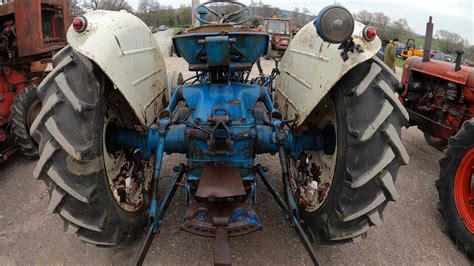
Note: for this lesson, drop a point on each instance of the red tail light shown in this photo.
(79, 24)
(369, 33)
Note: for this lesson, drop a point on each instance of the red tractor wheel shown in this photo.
(463, 191)
(456, 188)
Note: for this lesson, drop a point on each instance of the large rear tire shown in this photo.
(24, 110)
(359, 184)
(74, 162)
(455, 187)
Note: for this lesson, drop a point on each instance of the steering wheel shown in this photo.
(225, 18)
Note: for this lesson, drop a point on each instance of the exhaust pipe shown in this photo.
(428, 40)
(457, 66)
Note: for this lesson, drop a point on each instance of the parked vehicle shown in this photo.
(443, 57)
(439, 95)
(162, 28)
(411, 49)
(400, 48)
(30, 33)
(333, 119)
(280, 36)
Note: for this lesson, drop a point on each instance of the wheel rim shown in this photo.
(321, 166)
(128, 189)
(33, 112)
(464, 191)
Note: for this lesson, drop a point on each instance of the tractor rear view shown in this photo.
(30, 32)
(110, 113)
(439, 97)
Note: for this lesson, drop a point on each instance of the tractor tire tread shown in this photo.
(374, 152)
(69, 132)
(19, 121)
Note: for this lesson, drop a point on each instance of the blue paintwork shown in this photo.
(220, 127)
(235, 99)
(246, 214)
(248, 48)
(202, 11)
(218, 51)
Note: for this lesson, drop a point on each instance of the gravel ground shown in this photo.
(412, 233)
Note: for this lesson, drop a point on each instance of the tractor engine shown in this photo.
(446, 102)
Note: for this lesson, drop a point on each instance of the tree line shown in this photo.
(388, 29)
(155, 14)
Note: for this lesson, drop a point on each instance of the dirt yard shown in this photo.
(412, 233)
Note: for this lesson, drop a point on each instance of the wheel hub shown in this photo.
(33, 112)
(313, 182)
(129, 175)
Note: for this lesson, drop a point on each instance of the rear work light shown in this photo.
(369, 33)
(334, 24)
(79, 24)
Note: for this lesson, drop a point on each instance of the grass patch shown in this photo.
(399, 62)
(434, 44)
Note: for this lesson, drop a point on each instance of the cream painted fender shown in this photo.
(128, 53)
(311, 67)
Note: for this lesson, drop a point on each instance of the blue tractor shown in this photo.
(110, 114)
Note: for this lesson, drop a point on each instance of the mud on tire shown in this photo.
(24, 106)
(369, 150)
(69, 131)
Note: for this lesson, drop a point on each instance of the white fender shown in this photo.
(128, 53)
(311, 67)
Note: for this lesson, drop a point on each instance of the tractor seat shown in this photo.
(220, 45)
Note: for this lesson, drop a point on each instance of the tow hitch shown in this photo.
(224, 221)
(221, 220)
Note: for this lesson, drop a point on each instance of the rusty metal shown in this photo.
(161, 214)
(203, 218)
(222, 247)
(3, 135)
(430, 126)
(33, 112)
(29, 34)
(220, 181)
(30, 26)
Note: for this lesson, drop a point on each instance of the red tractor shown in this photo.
(280, 35)
(30, 32)
(439, 97)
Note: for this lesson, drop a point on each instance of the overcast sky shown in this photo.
(452, 15)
